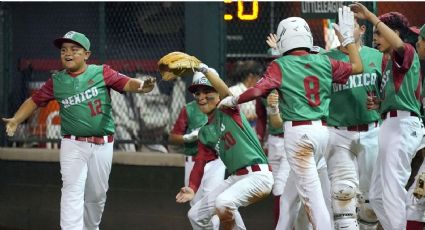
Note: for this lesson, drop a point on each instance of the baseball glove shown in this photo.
(419, 191)
(177, 64)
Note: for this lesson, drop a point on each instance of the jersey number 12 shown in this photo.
(96, 108)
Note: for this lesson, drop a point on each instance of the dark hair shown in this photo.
(396, 21)
(242, 69)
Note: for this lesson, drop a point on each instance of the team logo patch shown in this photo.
(413, 134)
(90, 82)
(372, 64)
(70, 34)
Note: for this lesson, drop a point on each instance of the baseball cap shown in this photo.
(199, 80)
(73, 37)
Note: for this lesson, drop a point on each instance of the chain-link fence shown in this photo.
(131, 37)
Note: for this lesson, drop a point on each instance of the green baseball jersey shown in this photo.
(271, 129)
(85, 103)
(305, 86)
(401, 86)
(195, 119)
(231, 135)
(348, 101)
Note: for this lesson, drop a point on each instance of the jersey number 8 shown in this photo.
(311, 87)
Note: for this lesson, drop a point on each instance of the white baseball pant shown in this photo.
(305, 144)
(229, 195)
(399, 138)
(291, 215)
(214, 172)
(351, 157)
(278, 162)
(85, 169)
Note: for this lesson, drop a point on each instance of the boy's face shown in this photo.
(207, 99)
(380, 42)
(420, 47)
(73, 57)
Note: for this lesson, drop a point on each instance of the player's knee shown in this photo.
(226, 215)
(344, 205)
(224, 209)
(343, 190)
(95, 197)
(191, 214)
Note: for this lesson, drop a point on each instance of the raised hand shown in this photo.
(346, 25)
(273, 99)
(360, 11)
(272, 40)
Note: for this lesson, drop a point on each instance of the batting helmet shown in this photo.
(293, 32)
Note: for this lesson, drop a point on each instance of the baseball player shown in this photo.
(353, 137)
(228, 134)
(185, 131)
(415, 204)
(289, 212)
(303, 81)
(401, 132)
(87, 127)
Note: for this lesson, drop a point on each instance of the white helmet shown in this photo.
(292, 33)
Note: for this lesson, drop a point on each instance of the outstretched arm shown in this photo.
(360, 11)
(24, 111)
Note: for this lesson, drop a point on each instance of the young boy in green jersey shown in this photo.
(185, 131)
(353, 141)
(229, 135)
(401, 132)
(87, 127)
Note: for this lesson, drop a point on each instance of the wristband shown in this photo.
(272, 110)
(377, 23)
